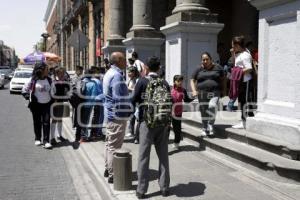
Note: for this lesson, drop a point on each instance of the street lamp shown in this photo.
(45, 37)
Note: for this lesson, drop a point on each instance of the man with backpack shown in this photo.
(152, 95)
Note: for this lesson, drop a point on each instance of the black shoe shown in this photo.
(140, 195)
(53, 142)
(62, 139)
(75, 144)
(110, 180)
(106, 174)
(165, 193)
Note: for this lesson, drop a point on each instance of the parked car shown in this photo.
(19, 79)
(4, 75)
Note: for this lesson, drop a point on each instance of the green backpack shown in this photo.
(157, 104)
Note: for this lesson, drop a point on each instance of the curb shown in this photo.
(95, 162)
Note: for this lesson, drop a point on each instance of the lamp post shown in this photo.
(45, 36)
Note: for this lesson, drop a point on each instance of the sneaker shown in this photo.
(239, 126)
(75, 144)
(140, 195)
(106, 174)
(203, 132)
(53, 142)
(37, 143)
(165, 193)
(62, 139)
(48, 146)
(110, 180)
(210, 130)
(136, 141)
(176, 146)
(129, 135)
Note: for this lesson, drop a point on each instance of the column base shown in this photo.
(187, 7)
(192, 17)
(276, 127)
(113, 45)
(185, 41)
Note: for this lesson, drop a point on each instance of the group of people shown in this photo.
(143, 98)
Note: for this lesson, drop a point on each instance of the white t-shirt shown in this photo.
(42, 91)
(244, 60)
(140, 67)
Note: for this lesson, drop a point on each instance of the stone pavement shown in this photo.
(28, 172)
(195, 174)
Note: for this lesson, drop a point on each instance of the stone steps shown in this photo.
(266, 143)
(243, 148)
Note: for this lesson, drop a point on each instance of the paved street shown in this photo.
(28, 172)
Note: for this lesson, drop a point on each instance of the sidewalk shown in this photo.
(194, 174)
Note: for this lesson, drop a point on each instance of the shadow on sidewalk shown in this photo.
(186, 148)
(192, 189)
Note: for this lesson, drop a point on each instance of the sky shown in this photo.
(21, 24)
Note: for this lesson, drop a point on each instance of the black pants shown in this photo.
(82, 122)
(41, 120)
(97, 121)
(176, 124)
(246, 99)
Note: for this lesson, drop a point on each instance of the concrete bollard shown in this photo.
(122, 167)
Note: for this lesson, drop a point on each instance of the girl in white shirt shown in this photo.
(243, 59)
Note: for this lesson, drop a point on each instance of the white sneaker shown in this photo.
(37, 143)
(128, 135)
(47, 146)
(239, 126)
(210, 129)
(176, 146)
(202, 132)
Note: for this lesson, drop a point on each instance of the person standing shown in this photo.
(74, 99)
(139, 64)
(98, 110)
(38, 93)
(179, 94)
(152, 95)
(207, 84)
(133, 76)
(59, 91)
(243, 60)
(116, 99)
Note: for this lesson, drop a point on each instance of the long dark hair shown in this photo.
(38, 71)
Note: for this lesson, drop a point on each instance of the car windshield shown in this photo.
(23, 75)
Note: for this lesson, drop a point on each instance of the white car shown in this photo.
(20, 78)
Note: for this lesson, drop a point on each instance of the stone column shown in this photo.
(91, 34)
(143, 38)
(278, 113)
(116, 28)
(142, 15)
(190, 30)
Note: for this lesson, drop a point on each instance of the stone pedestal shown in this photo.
(278, 113)
(191, 30)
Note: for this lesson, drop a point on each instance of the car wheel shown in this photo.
(11, 92)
